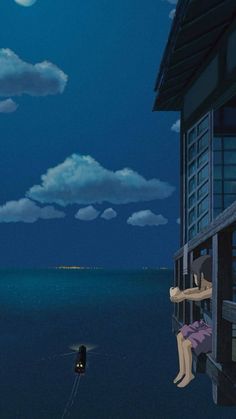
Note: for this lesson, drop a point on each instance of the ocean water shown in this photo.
(126, 315)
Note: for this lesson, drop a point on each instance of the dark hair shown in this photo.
(202, 265)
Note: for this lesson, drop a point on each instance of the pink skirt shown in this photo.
(200, 335)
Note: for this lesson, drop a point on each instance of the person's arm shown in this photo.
(191, 290)
(179, 296)
(193, 294)
(199, 295)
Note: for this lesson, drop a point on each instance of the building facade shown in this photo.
(197, 77)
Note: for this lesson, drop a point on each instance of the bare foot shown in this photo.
(186, 381)
(178, 377)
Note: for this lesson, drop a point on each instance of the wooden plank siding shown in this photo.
(221, 289)
(229, 311)
(224, 220)
(223, 382)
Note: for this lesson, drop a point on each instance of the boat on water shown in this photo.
(80, 361)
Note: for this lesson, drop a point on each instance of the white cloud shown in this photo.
(26, 211)
(87, 214)
(178, 221)
(109, 213)
(146, 218)
(8, 106)
(18, 77)
(25, 3)
(82, 180)
(172, 14)
(172, 1)
(176, 126)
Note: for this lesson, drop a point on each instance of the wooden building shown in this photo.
(197, 77)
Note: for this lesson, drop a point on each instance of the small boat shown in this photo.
(80, 362)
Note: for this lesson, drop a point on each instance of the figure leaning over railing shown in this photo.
(196, 336)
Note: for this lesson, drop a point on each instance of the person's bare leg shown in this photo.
(188, 363)
(180, 340)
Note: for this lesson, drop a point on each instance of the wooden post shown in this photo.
(191, 285)
(176, 284)
(181, 280)
(195, 254)
(221, 290)
(177, 305)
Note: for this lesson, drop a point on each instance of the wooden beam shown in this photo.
(195, 56)
(209, 21)
(215, 297)
(176, 325)
(203, 39)
(229, 311)
(224, 220)
(191, 257)
(176, 282)
(207, 13)
(221, 289)
(223, 388)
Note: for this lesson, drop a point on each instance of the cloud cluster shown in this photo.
(18, 77)
(146, 218)
(8, 106)
(26, 3)
(176, 126)
(108, 214)
(90, 213)
(172, 1)
(27, 211)
(82, 180)
(178, 221)
(87, 214)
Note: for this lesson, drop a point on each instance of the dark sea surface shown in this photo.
(126, 315)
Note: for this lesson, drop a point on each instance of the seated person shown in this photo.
(196, 336)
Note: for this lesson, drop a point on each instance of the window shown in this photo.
(218, 200)
(202, 190)
(229, 199)
(229, 143)
(203, 222)
(230, 186)
(203, 206)
(192, 135)
(224, 158)
(230, 172)
(217, 211)
(203, 142)
(192, 184)
(230, 157)
(203, 158)
(217, 186)
(217, 143)
(203, 174)
(218, 173)
(192, 168)
(192, 216)
(217, 157)
(197, 174)
(192, 152)
(192, 200)
(203, 125)
(192, 232)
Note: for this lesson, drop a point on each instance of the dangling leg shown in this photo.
(188, 363)
(180, 340)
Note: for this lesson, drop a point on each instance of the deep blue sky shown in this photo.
(111, 52)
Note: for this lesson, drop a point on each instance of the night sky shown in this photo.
(76, 95)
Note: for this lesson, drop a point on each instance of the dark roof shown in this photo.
(196, 28)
